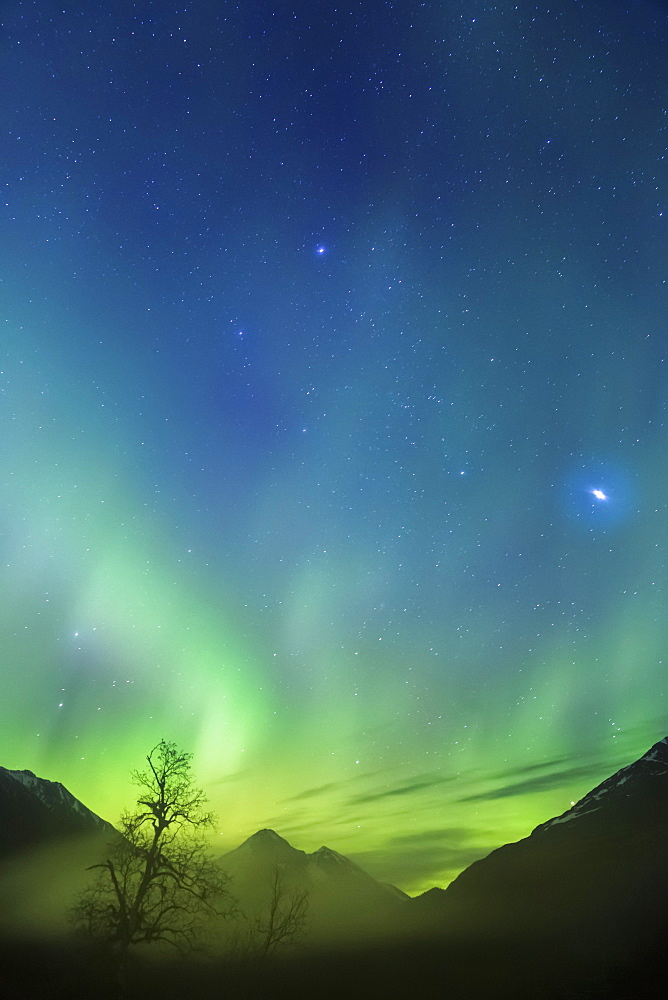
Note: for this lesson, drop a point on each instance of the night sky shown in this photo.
(333, 403)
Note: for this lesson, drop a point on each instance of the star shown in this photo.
(599, 494)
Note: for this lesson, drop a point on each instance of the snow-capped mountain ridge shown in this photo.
(51, 793)
(35, 809)
(597, 874)
(632, 777)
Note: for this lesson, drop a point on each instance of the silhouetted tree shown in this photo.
(284, 920)
(158, 881)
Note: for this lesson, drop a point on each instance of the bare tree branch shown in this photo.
(159, 879)
(284, 920)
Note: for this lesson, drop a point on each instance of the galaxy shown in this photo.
(333, 388)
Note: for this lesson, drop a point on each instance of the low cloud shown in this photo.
(538, 782)
(419, 784)
(310, 793)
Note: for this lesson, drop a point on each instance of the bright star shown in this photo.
(599, 494)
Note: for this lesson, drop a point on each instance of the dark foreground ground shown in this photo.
(499, 971)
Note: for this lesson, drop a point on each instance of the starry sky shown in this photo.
(333, 402)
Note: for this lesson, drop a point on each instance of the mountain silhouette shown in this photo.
(34, 810)
(591, 881)
(48, 838)
(576, 909)
(345, 902)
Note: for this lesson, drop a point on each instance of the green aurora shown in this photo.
(326, 519)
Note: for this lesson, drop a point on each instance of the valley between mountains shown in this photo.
(578, 905)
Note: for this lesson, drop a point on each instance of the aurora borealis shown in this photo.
(333, 400)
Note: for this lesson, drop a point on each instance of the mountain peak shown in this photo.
(266, 836)
(35, 809)
(623, 788)
(327, 852)
(325, 855)
(338, 865)
(42, 787)
(268, 843)
(596, 874)
(658, 751)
